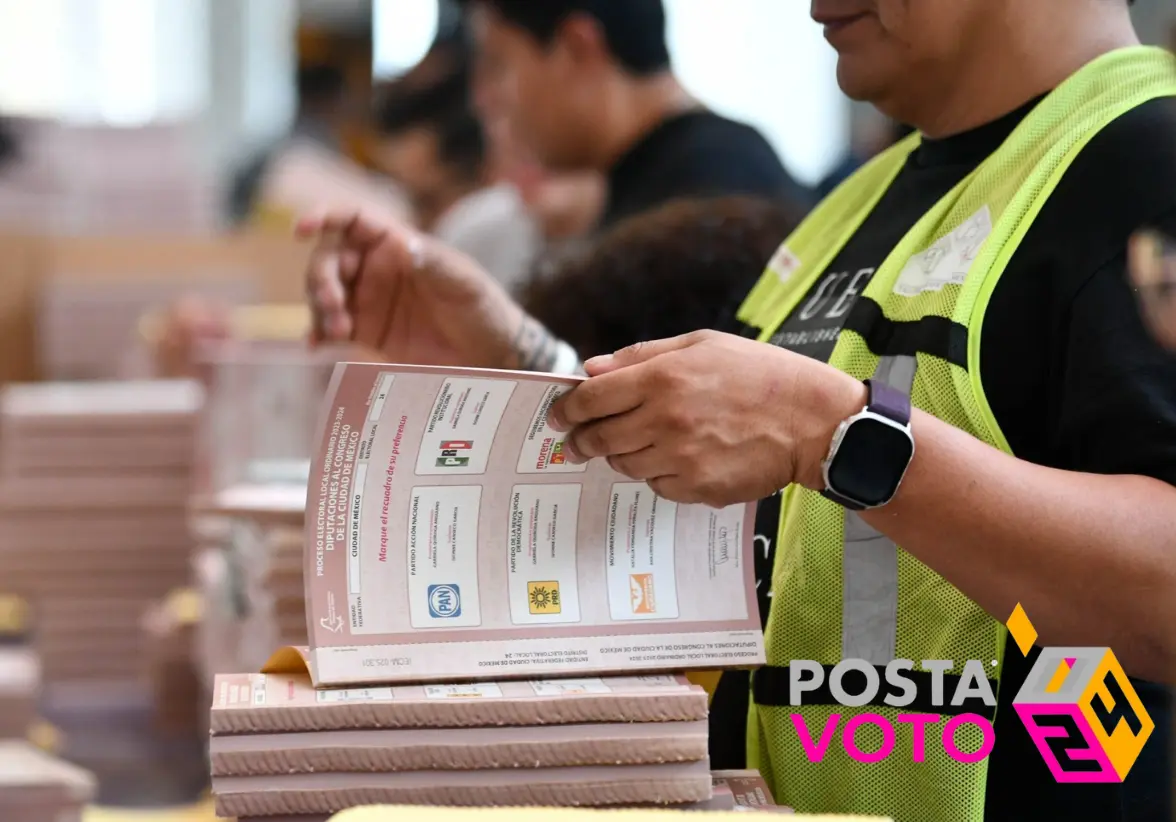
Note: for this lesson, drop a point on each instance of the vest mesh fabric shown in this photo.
(935, 621)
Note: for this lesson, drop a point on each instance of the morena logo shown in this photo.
(1076, 703)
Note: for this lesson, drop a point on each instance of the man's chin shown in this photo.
(864, 82)
(856, 80)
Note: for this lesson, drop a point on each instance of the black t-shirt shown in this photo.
(1072, 376)
(696, 154)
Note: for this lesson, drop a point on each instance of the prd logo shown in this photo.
(543, 597)
(1080, 709)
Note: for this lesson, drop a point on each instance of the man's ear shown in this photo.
(582, 39)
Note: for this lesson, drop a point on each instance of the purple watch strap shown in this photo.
(889, 402)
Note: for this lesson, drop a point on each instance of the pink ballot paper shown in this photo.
(448, 538)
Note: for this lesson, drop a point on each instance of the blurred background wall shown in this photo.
(229, 65)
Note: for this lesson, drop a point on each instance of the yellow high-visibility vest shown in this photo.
(840, 589)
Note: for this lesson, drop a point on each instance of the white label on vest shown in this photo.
(948, 260)
(783, 264)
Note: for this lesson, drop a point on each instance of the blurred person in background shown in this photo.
(566, 205)
(587, 85)
(966, 291)
(431, 142)
(322, 111)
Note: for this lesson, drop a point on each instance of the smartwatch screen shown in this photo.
(871, 461)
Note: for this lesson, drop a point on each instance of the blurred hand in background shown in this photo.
(186, 326)
(1153, 272)
(565, 205)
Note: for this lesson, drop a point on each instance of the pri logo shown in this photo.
(444, 601)
(452, 456)
(543, 598)
(1080, 709)
(641, 597)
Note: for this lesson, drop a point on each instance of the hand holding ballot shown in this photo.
(707, 417)
(385, 286)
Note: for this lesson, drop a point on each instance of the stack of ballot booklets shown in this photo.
(258, 422)
(36, 787)
(731, 791)
(252, 579)
(218, 633)
(275, 589)
(254, 437)
(564, 742)
(489, 624)
(20, 682)
(20, 670)
(71, 178)
(88, 327)
(94, 481)
(383, 813)
(177, 698)
(281, 747)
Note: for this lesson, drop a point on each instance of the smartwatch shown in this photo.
(871, 451)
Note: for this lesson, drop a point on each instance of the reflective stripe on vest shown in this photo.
(869, 562)
(841, 589)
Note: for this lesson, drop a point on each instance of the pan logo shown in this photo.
(444, 601)
(452, 456)
(1080, 710)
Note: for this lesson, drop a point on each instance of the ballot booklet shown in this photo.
(449, 538)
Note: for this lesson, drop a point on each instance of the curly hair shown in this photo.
(678, 268)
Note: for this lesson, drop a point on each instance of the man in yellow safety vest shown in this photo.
(945, 370)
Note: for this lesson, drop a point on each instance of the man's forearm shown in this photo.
(1091, 558)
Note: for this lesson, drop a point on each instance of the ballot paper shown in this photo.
(448, 537)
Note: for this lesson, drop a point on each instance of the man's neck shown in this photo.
(637, 107)
(1022, 62)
